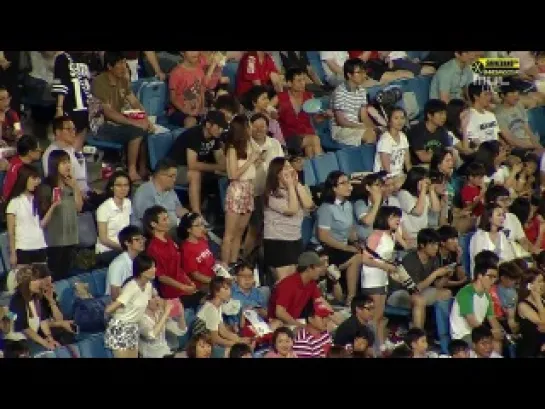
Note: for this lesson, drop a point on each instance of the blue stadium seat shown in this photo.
(442, 321)
(4, 253)
(536, 120)
(308, 173)
(93, 347)
(158, 147)
(99, 278)
(323, 130)
(465, 240)
(223, 183)
(152, 93)
(350, 160)
(230, 71)
(65, 297)
(316, 64)
(103, 144)
(86, 278)
(307, 230)
(397, 311)
(64, 352)
(324, 165)
(367, 151)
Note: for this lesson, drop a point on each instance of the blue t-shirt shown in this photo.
(338, 218)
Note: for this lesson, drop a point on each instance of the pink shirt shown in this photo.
(189, 85)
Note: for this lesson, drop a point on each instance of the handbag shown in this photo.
(89, 314)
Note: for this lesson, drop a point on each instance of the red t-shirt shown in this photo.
(293, 123)
(293, 295)
(167, 259)
(198, 257)
(468, 194)
(531, 229)
(496, 302)
(251, 69)
(15, 164)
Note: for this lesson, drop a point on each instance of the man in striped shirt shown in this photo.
(351, 125)
(313, 340)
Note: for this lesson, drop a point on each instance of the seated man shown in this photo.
(112, 88)
(513, 121)
(424, 268)
(295, 123)
(28, 151)
(298, 60)
(120, 269)
(159, 190)
(10, 124)
(313, 340)
(351, 124)
(361, 320)
(199, 156)
(451, 79)
(480, 124)
(333, 62)
(430, 135)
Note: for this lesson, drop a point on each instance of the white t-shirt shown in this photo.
(149, 346)
(211, 315)
(383, 244)
(28, 233)
(115, 218)
(501, 175)
(397, 152)
(481, 241)
(339, 56)
(459, 327)
(272, 149)
(512, 228)
(397, 55)
(134, 300)
(482, 126)
(119, 271)
(411, 223)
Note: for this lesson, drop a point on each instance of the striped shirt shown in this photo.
(306, 345)
(278, 226)
(349, 102)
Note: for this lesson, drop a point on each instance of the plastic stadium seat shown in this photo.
(442, 320)
(367, 150)
(65, 297)
(102, 144)
(308, 173)
(323, 130)
(316, 64)
(158, 147)
(99, 278)
(397, 311)
(307, 230)
(230, 70)
(350, 160)
(324, 165)
(64, 352)
(4, 253)
(152, 93)
(223, 183)
(536, 120)
(93, 347)
(464, 244)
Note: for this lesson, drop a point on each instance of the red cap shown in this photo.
(320, 310)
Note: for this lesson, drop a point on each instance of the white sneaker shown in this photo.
(173, 327)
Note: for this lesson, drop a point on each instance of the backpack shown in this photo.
(89, 314)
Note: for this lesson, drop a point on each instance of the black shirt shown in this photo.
(290, 59)
(19, 306)
(421, 139)
(350, 329)
(418, 271)
(194, 139)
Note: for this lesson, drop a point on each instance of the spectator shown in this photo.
(378, 263)
(417, 197)
(313, 340)
(458, 348)
(16, 349)
(211, 315)
(292, 296)
(482, 343)
(336, 230)
(282, 344)
(10, 67)
(295, 123)
(72, 91)
(402, 351)
(442, 168)
(112, 88)
(393, 147)
(449, 253)
(129, 308)
(113, 215)
(472, 193)
(530, 314)
(377, 67)
(492, 154)
(10, 124)
(187, 84)
(199, 156)
(513, 121)
(400, 61)
(456, 110)
(416, 339)
(132, 243)
(152, 326)
(197, 259)
(504, 295)
(429, 136)
(240, 350)
(200, 346)
(258, 102)
(25, 228)
(360, 322)
(61, 231)
(159, 191)
(368, 197)
(472, 305)
(451, 78)
(173, 280)
(333, 62)
(430, 278)
(228, 105)
(257, 68)
(285, 200)
(28, 151)
(351, 124)
(482, 124)
(239, 201)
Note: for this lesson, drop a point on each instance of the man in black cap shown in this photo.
(199, 156)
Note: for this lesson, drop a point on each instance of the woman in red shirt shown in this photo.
(294, 122)
(173, 281)
(257, 68)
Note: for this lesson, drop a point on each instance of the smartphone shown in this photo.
(56, 194)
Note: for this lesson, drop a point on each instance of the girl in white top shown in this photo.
(114, 214)
(375, 269)
(241, 171)
(393, 146)
(128, 309)
(25, 229)
(490, 236)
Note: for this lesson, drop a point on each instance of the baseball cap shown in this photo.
(309, 258)
(320, 310)
(217, 118)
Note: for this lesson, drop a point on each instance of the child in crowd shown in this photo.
(458, 348)
(472, 193)
(200, 346)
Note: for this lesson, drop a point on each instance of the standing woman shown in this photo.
(128, 309)
(71, 88)
(113, 215)
(531, 314)
(61, 233)
(239, 202)
(285, 201)
(25, 228)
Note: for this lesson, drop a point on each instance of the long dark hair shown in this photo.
(55, 158)
(414, 176)
(25, 172)
(331, 182)
(486, 218)
(438, 157)
(238, 136)
(186, 222)
(113, 178)
(151, 215)
(272, 182)
(487, 152)
(454, 109)
(141, 263)
(360, 191)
